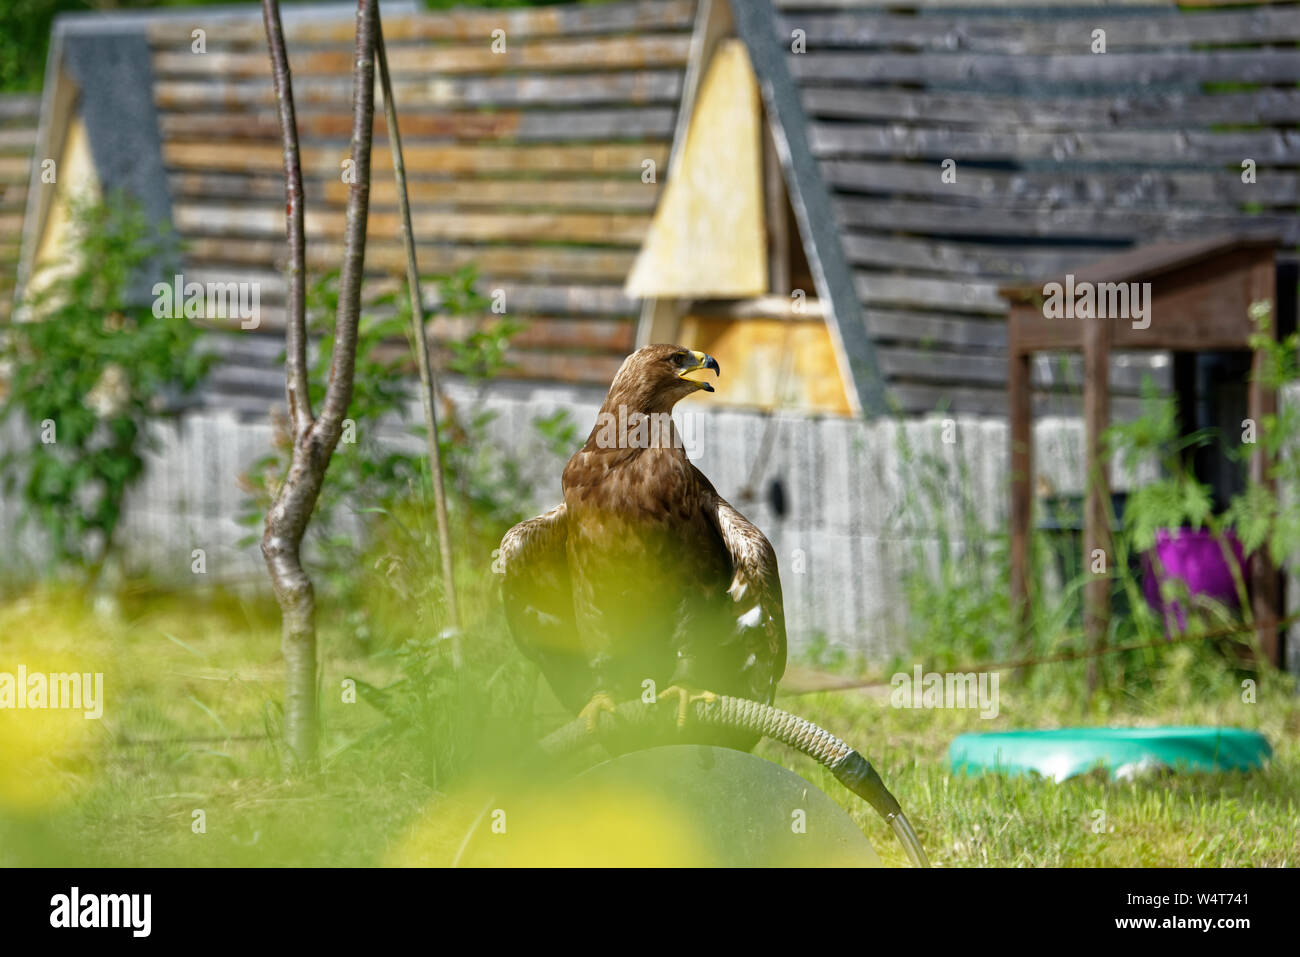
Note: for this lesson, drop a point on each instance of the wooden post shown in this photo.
(1262, 401)
(1096, 518)
(1020, 399)
(420, 343)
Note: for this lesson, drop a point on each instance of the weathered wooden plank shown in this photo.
(240, 347)
(525, 298)
(20, 105)
(571, 194)
(541, 263)
(1085, 222)
(14, 169)
(1161, 147)
(455, 24)
(966, 258)
(518, 296)
(913, 398)
(917, 398)
(1065, 33)
(266, 380)
(635, 87)
(17, 124)
(631, 52)
(567, 194)
(18, 140)
(1133, 109)
(760, 307)
(942, 364)
(938, 329)
(1188, 261)
(1129, 70)
(1117, 187)
(324, 162)
(972, 295)
(548, 333)
(626, 52)
(271, 325)
(561, 367)
(604, 228)
(558, 126)
(12, 198)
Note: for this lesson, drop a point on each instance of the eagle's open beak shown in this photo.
(702, 361)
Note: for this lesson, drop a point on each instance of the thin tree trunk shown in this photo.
(313, 439)
(296, 389)
(421, 345)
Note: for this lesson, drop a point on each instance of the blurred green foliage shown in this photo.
(87, 375)
(1261, 516)
(373, 538)
(190, 725)
(958, 612)
(958, 606)
(1174, 499)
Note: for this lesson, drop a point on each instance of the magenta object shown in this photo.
(1194, 556)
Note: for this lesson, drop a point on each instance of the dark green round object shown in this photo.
(675, 806)
(1064, 752)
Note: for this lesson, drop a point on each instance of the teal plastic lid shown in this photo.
(1064, 752)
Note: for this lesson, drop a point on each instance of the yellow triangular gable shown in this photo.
(707, 239)
(76, 178)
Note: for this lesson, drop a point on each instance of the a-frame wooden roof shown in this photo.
(530, 162)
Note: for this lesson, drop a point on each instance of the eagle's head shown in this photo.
(654, 378)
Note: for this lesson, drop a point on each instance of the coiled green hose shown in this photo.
(739, 714)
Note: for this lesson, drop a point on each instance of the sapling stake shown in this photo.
(420, 343)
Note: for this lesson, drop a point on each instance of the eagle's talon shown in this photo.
(591, 711)
(685, 698)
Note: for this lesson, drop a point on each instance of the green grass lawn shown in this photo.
(191, 716)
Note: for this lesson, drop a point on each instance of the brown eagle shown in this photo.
(645, 572)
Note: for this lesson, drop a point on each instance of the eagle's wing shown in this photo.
(755, 598)
(538, 599)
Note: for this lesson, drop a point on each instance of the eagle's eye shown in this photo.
(680, 358)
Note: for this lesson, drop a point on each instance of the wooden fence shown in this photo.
(850, 528)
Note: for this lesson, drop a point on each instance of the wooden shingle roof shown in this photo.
(531, 162)
(526, 162)
(1061, 155)
(19, 113)
(537, 158)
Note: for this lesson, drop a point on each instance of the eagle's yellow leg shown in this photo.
(685, 698)
(591, 711)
